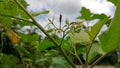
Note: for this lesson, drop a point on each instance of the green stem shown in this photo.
(87, 55)
(62, 38)
(16, 18)
(44, 31)
(101, 57)
(76, 55)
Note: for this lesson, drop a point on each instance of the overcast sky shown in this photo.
(69, 8)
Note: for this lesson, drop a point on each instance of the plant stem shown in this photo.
(101, 57)
(16, 18)
(44, 31)
(87, 54)
(76, 55)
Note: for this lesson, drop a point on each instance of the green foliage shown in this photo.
(82, 38)
(8, 61)
(7, 7)
(23, 23)
(98, 16)
(44, 44)
(110, 38)
(94, 51)
(58, 62)
(29, 37)
(85, 14)
(88, 16)
(66, 44)
(41, 52)
(95, 29)
(115, 2)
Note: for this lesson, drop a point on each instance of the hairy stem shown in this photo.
(44, 31)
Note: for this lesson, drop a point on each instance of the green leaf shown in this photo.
(66, 44)
(98, 16)
(8, 61)
(115, 2)
(85, 14)
(94, 51)
(44, 44)
(81, 51)
(58, 62)
(29, 37)
(24, 3)
(23, 14)
(95, 29)
(38, 13)
(23, 50)
(23, 23)
(110, 39)
(9, 7)
(82, 38)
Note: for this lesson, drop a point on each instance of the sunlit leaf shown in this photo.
(94, 51)
(95, 29)
(98, 16)
(9, 7)
(85, 14)
(110, 39)
(44, 44)
(82, 38)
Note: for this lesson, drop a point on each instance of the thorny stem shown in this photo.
(43, 30)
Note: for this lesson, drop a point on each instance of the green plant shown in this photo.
(77, 41)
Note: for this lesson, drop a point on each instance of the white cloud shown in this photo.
(99, 6)
(56, 6)
(69, 8)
